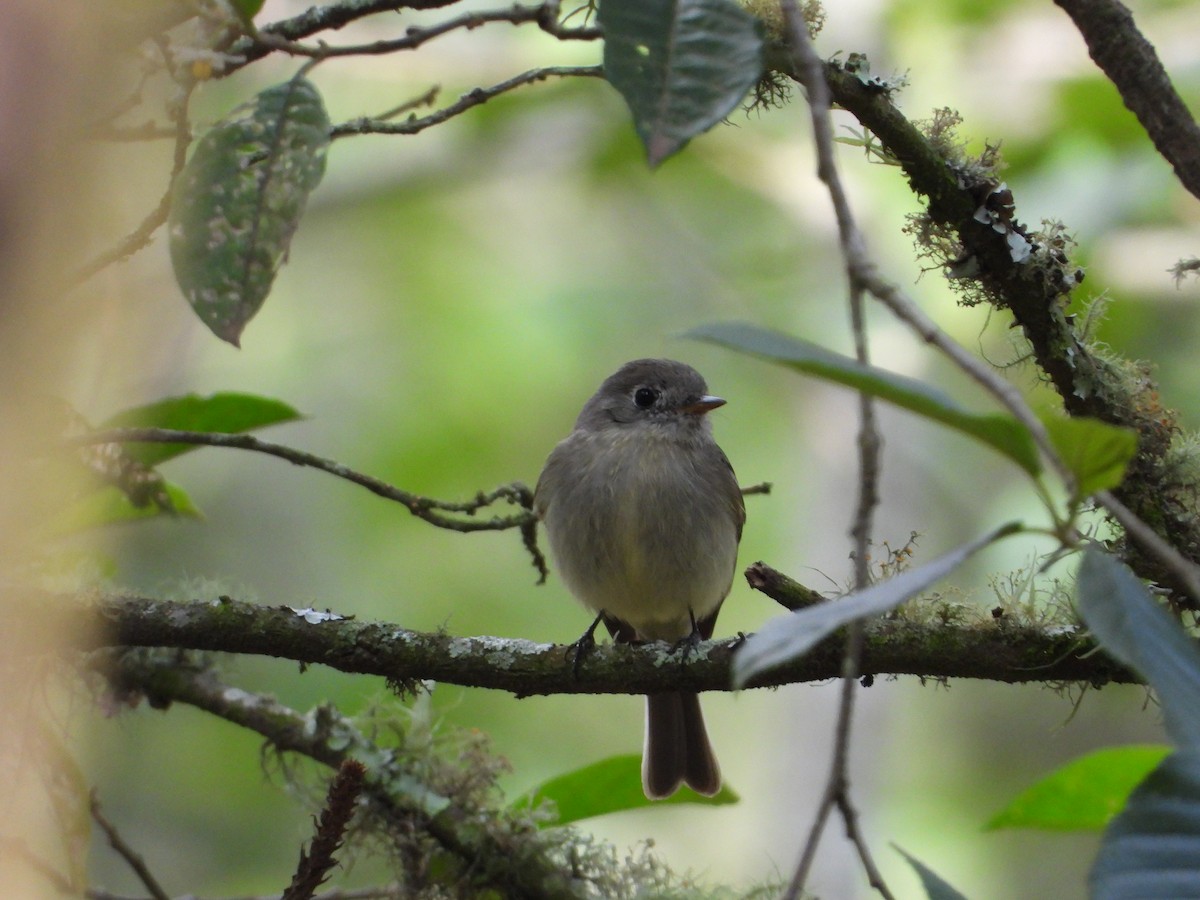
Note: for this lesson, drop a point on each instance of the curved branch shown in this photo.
(426, 508)
(141, 235)
(1033, 291)
(995, 650)
(503, 854)
(1131, 63)
(469, 100)
(285, 34)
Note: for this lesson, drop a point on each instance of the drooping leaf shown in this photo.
(236, 204)
(681, 65)
(110, 506)
(1083, 795)
(611, 785)
(227, 413)
(1138, 632)
(1152, 849)
(1000, 432)
(1095, 452)
(790, 636)
(936, 887)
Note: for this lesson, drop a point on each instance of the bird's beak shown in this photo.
(704, 404)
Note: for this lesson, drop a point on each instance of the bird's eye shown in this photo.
(644, 397)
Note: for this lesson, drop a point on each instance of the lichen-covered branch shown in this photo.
(937, 644)
(984, 247)
(495, 848)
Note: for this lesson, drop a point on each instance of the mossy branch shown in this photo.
(971, 229)
(938, 643)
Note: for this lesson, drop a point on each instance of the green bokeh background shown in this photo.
(450, 301)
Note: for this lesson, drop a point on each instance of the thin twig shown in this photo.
(11, 847)
(473, 98)
(860, 273)
(132, 858)
(141, 235)
(1181, 567)
(425, 508)
(545, 16)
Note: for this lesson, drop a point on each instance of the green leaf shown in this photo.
(1084, 794)
(239, 199)
(1138, 632)
(1152, 849)
(788, 637)
(226, 413)
(1000, 432)
(681, 65)
(110, 506)
(247, 9)
(1095, 452)
(936, 887)
(611, 785)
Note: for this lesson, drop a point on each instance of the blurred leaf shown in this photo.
(1089, 105)
(110, 506)
(1000, 432)
(224, 413)
(611, 785)
(247, 9)
(238, 201)
(1152, 849)
(1084, 794)
(936, 887)
(681, 65)
(1138, 632)
(790, 636)
(1096, 452)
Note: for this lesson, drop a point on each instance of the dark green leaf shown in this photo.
(227, 413)
(1000, 432)
(1138, 632)
(1152, 849)
(936, 887)
(790, 636)
(1084, 794)
(238, 201)
(1096, 452)
(681, 65)
(611, 785)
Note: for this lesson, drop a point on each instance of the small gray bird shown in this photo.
(644, 516)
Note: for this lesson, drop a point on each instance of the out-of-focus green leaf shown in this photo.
(1083, 795)
(1138, 632)
(1000, 432)
(110, 506)
(791, 635)
(681, 65)
(1152, 849)
(247, 9)
(1095, 452)
(611, 785)
(936, 887)
(226, 413)
(238, 201)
